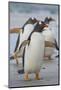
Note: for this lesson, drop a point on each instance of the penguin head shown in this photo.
(40, 26)
(48, 20)
(34, 20)
(43, 25)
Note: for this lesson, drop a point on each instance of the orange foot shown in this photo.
(26, 76)
(37, 76)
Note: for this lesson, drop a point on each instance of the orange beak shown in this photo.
(46, 25)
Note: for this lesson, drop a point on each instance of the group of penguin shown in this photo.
(36, 41)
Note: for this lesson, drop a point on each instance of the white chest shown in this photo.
(34, 53)
(48, 35)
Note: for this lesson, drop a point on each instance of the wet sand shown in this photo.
(48, 74)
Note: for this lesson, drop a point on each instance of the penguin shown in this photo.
(49, 39)
(34, 52)
(23, 36)
(27, 29)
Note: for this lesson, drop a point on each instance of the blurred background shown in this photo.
(20, 12)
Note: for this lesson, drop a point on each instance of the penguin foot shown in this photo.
(26, 76)
(37, 76)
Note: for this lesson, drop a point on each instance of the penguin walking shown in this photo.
(50, 42)
(27, 29)
(24, 33)
(34, 52)
(34, 55)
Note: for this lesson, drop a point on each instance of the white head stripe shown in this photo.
(32, 17)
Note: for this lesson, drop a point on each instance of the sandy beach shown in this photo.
(48, 74)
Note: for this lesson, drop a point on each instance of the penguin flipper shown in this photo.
(24, 43)
(56, 45)
(17, 43)
(19, 52)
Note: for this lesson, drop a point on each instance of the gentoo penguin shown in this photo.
(34, 52)
(27, 28)
(24, 32)
(49, 39)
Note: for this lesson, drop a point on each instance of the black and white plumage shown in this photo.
(49, 37)
(34, 52)
(29, 21)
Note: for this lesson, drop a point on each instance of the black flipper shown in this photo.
(22, 70)
(56, 45)
(17, 43)
(56, 48)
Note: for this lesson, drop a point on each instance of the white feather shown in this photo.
(34, 53)
(32, 18)
(48, 35)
